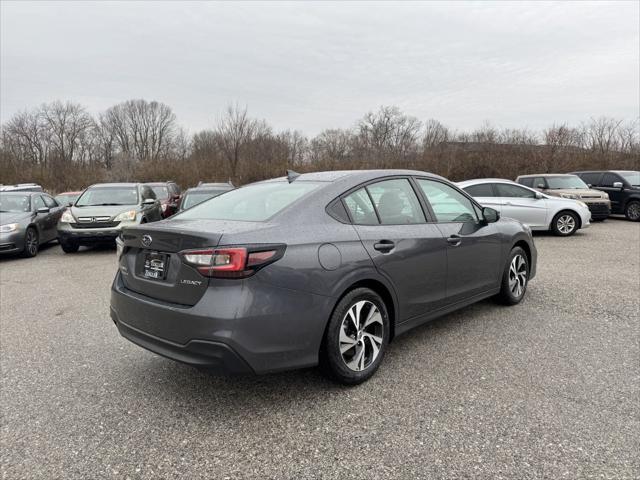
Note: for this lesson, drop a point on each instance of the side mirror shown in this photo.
(148, 201)
(541, 186)
(618, 185)
(490, 215)
(538, 196)
(43, 210)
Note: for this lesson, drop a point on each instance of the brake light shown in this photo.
(232, 262)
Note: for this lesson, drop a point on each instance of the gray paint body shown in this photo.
(275, 320)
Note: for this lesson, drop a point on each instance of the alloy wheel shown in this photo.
(566, 224)
(518, 275)
(633, 211)
(31, 242)
(361, 335)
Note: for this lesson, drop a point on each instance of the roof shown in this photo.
(476, 181)
(334, 175)
(207, 188)
(158, 184)
(115, 184)
(547, 175)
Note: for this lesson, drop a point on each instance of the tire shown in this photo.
(565, 224)
(632, 211)
(31, 243)
(515, 278)
(69, 247)
(351, 355)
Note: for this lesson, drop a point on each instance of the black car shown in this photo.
(27, 220)
(623, 187)
(204, 191)
(169, 194)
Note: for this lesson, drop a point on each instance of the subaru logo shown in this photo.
(146, 240)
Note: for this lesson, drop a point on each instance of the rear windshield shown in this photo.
(161, 192)
(192, 199)
(254, 203)
(572, 181)
(108, 196)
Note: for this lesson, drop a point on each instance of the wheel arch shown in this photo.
(566, 210)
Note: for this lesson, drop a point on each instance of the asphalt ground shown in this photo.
(546, 389)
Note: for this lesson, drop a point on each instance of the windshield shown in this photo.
(192, 199)
(254, 203)
(108, 196)
(571, 181)
(66, 199)
(15, 203)
(161, 192)
(633, 178)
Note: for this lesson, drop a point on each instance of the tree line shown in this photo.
(63, 147)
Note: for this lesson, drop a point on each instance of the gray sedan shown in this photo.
(321, 268)
(27, 220)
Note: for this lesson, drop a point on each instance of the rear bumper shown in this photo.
(214, 356)
(245, 326)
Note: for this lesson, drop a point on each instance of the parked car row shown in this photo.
(30, 217)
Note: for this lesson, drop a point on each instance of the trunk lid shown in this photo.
(151, 265)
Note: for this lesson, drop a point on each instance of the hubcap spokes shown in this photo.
(361, 335)
(634, 211)
(566, 224)
(518, 275)
(32, 242)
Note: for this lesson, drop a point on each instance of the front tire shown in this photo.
(356, 338)
(31, 243)
(69, 247)
(515, 278)
(565, 224)
(632, 211)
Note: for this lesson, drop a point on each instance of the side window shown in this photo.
(538, 182)
(147, 192)
(360, 207)
(609, 179)
(37, 202)
(480, 190)
(527, 181)
(396, 202)
(590, 178)
(513, 191)
(447, 203)
(49, 202)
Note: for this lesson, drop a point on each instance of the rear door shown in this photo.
(521, 203)
(410, 252)
(473, 248)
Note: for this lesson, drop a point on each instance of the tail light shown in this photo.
(232, 262)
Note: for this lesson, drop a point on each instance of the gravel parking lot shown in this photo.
(547, 389)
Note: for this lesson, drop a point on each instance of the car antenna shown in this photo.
(291, 175)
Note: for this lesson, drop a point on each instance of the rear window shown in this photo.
(109, 196)
(480, 190)
(254, 203)
(161, 192)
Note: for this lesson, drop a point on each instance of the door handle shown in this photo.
(508, 203)
(384, 246)
(454, 240)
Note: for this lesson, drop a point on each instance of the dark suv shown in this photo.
(169, 194)
(623, 187)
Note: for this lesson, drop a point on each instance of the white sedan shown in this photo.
(539, 211)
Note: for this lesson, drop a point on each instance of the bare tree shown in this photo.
(235, 130)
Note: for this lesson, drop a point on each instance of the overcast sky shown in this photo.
(312, 66)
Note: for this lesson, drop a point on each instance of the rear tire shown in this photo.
(565, 224)
(356, 337)
(69, 247)
(515, 278)
(632, 211)
(31, 243)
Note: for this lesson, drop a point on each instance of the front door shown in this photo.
(404, 248)
(521, 203)
(474, 263)
(616, 194)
